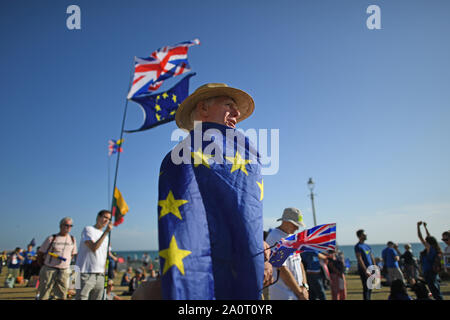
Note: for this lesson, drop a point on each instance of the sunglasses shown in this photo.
(444, 239)
(68, 225)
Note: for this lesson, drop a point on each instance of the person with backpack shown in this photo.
(55, 256)
(430, 259)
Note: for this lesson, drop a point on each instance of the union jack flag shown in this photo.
(164, 63)
(319, 238)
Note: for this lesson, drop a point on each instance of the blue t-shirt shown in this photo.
(28, 255)
(428, 260)
(388, 255)
(365, 250)
(311, 261)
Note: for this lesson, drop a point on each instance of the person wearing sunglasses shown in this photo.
(55, 256)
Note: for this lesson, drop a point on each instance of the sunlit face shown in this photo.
(223, 110)
(104, 219)
(289, 227)
(66, 226)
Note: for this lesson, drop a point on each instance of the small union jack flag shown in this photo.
(114, 146)
(164, 63)
(319, 238)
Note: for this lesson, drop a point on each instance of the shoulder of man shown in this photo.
(274, 236)
(88, 232)
(46, 243)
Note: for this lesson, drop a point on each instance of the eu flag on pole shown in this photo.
(317, 239)
(210, 217)
(160, 108)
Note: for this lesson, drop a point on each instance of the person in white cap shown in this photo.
(293, 283)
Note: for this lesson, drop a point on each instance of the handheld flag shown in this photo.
(209, 247)
(120, 207)
(160, 108)
(164, 63)
(56, 256)
(115, 146)
(319, 238)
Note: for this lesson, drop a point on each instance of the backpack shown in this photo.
(41, 255)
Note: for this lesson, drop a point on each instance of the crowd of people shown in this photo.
(225, 273)
(404, 270)
(52, 269)
(304, 276)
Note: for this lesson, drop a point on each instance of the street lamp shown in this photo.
(311, 187)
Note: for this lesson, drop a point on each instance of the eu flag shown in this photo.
(160, 108)
(210, 224)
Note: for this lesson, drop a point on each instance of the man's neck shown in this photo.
(283, 229)
(63, 234)
(97, 226)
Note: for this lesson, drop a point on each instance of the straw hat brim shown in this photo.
(243, 100)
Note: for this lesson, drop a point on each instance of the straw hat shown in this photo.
(243, 100)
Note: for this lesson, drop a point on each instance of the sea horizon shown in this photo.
(348, 250)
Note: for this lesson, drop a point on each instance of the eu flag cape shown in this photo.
(210, 224)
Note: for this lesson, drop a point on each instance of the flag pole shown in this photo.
(109, 180)
(115, 177)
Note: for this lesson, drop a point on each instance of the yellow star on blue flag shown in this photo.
(158, 109)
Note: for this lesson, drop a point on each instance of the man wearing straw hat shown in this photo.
(293, 283)
(210, 206)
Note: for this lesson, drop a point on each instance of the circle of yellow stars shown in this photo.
(165, 95)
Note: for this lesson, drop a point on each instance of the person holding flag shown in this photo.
(92, 257)
(210, 210)
(293, 284)
(54, 256)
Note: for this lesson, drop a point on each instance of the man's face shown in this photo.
(291, 228)
(66, 226)
(104, 219)
(223, 110)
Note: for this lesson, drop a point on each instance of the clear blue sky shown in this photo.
(364, 112)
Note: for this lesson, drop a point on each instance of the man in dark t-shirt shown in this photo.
(365, 259)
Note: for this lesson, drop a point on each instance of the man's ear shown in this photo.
(202, 109)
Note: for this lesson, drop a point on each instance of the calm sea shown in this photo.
(347, 250)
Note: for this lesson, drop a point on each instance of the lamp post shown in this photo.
(311, 187)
